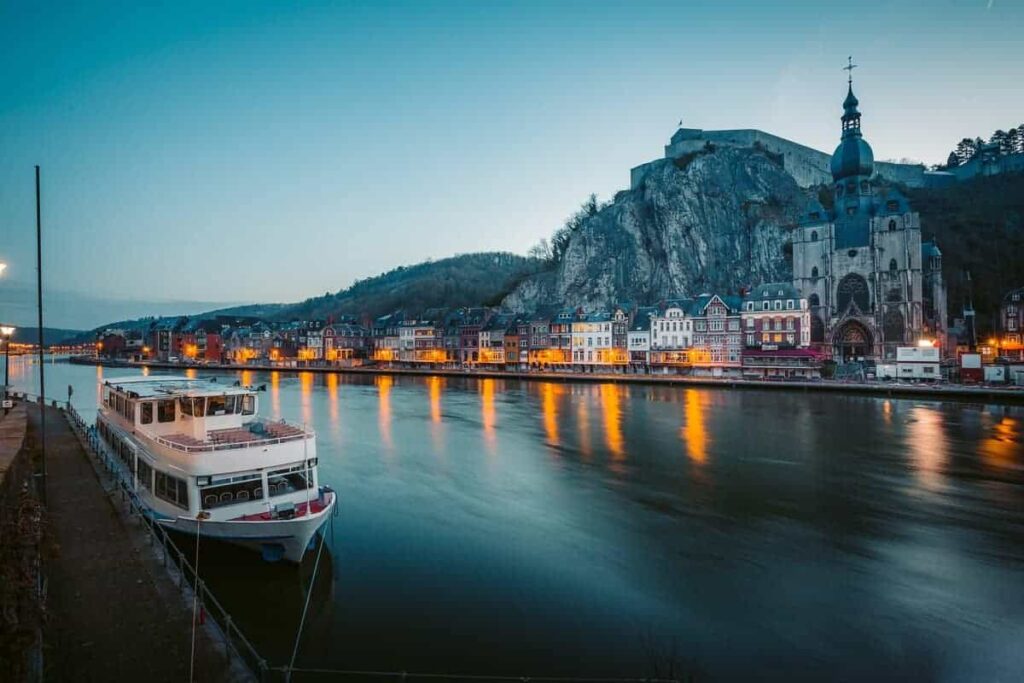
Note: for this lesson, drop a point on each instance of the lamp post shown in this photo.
(6, 331)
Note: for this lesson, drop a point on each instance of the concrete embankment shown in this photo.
(942, 392)
(112, 611)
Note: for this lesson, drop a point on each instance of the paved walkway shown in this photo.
(113, 614)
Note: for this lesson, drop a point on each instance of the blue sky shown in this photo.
(268, 152)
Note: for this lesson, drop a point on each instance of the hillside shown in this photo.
(464, 280)
(979, 226)
(710, 220)
(51, 335)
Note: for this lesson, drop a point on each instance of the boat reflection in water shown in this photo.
(266, 599)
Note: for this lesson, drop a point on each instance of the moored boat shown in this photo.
(201, 461)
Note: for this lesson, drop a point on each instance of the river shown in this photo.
(533, 528)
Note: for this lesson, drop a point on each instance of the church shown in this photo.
(871, 284)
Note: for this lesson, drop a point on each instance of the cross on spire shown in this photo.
(850, 66)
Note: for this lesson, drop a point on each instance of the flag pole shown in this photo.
(42, 364)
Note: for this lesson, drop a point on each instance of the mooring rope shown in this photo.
(305, 608)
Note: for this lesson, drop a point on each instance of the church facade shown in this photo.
(870, 282)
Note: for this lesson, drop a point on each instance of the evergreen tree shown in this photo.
(1000, 138)
(966, 150)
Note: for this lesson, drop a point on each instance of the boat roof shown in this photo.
(164, 386)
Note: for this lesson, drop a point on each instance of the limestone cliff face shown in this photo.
(714, 220)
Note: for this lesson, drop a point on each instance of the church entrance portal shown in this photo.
(852, 342)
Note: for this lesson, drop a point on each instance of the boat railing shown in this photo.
(296, 433)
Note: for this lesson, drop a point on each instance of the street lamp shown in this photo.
(6, 331)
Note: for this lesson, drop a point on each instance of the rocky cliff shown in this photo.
(715, 219)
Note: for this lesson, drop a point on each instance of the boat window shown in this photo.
(199, 407)
(219, 495)
(171, 489)
(119, 403)
(146, 416)
(280, 482)
(145, 474)
(129, 410)
(248, 405)
(186, 406)
(165, 410)
(218, 405)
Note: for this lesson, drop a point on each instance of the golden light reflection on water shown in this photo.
(99, 384)
(583, 417)
(145, 371)
(488, 414)
(887, 411)
(384, 383)
(693, 432)
(275, 393)
(434, 390)
(549, 409)
(191, 373)
(332, 400)
(246, 379)
(1002, 448)
(611, 412)
(926, 441)
(306, 394)
(435, 387)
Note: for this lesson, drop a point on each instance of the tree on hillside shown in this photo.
(965, 150)
(541, 250)
(563, 235)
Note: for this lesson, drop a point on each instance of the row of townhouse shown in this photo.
(765, 332)
(237, 340)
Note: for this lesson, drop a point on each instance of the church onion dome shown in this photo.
(851, 102)
(853, 156)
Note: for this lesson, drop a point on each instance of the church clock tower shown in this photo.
(860, 264)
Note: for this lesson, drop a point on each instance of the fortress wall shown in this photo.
(911, 175)
(807, 165)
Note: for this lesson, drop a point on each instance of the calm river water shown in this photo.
(555, 529)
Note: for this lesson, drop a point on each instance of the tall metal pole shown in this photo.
(42, 365)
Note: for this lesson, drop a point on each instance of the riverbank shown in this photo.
(112, 611)
(983, 394)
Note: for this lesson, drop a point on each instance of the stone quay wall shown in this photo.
(21, 534)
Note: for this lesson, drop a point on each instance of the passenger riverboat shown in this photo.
(200, 460)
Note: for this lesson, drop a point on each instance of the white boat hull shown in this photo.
(275, 539)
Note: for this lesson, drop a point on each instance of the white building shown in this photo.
(671, 326)
(592, 340)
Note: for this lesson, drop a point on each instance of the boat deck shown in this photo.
(256, 432)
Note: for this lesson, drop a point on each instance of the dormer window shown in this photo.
(814, 235)
(892, 205)
(765, 306)
(892, 225)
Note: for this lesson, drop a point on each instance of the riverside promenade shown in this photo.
(113, 612)
(941, 391)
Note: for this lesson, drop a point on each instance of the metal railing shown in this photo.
(235, 642)
(231, 445)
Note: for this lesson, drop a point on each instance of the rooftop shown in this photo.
(168, 387)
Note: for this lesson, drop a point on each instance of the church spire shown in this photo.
(851, 115)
